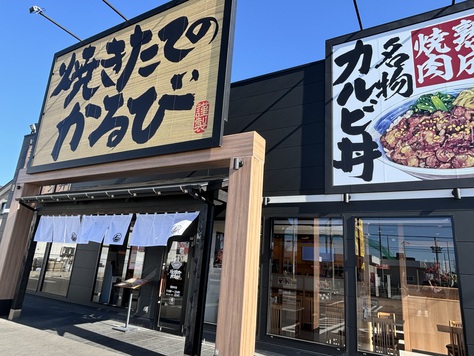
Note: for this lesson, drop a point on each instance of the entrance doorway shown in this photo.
(116, 264)
(174, 284)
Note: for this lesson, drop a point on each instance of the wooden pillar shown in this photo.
(237, 315)
(13, 244)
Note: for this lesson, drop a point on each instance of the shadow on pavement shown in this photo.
(94, 326)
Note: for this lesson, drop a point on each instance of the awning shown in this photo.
(185, 186)
(111, 229)
(155, 229)
(149, 229)
(63, 229)
(93, 228)
(118, 229)
(44, 231)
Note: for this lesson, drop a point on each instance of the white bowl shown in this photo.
(390, 116)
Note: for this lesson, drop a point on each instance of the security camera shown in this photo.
(35, 10)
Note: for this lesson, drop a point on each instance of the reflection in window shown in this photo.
(58, 268)
(307, 280)
(214, 281)
(36, 266)
(407, 282)
(99, 281)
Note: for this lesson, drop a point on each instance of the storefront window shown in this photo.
(307, 280)
(58, 268)
(407, 284)
(36, 266)
(214, 281)
(98, 296)
(137, 258)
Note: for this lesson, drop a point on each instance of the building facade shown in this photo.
(4, 194)
(326, 266)
(333, 263)
(344, 270)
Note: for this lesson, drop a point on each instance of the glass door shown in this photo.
(174, 283)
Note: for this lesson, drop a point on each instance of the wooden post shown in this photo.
(14, 242)
(236, 320)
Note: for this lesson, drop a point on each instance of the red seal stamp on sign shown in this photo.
(201, 116)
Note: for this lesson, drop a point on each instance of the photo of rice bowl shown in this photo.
(430, 137)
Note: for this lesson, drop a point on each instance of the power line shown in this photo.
(38, 10)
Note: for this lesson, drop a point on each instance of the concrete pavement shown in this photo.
(53, 327)
(18, 339)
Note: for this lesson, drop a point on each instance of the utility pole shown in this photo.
(436, 250)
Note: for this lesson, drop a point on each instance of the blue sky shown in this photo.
(269, 36)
